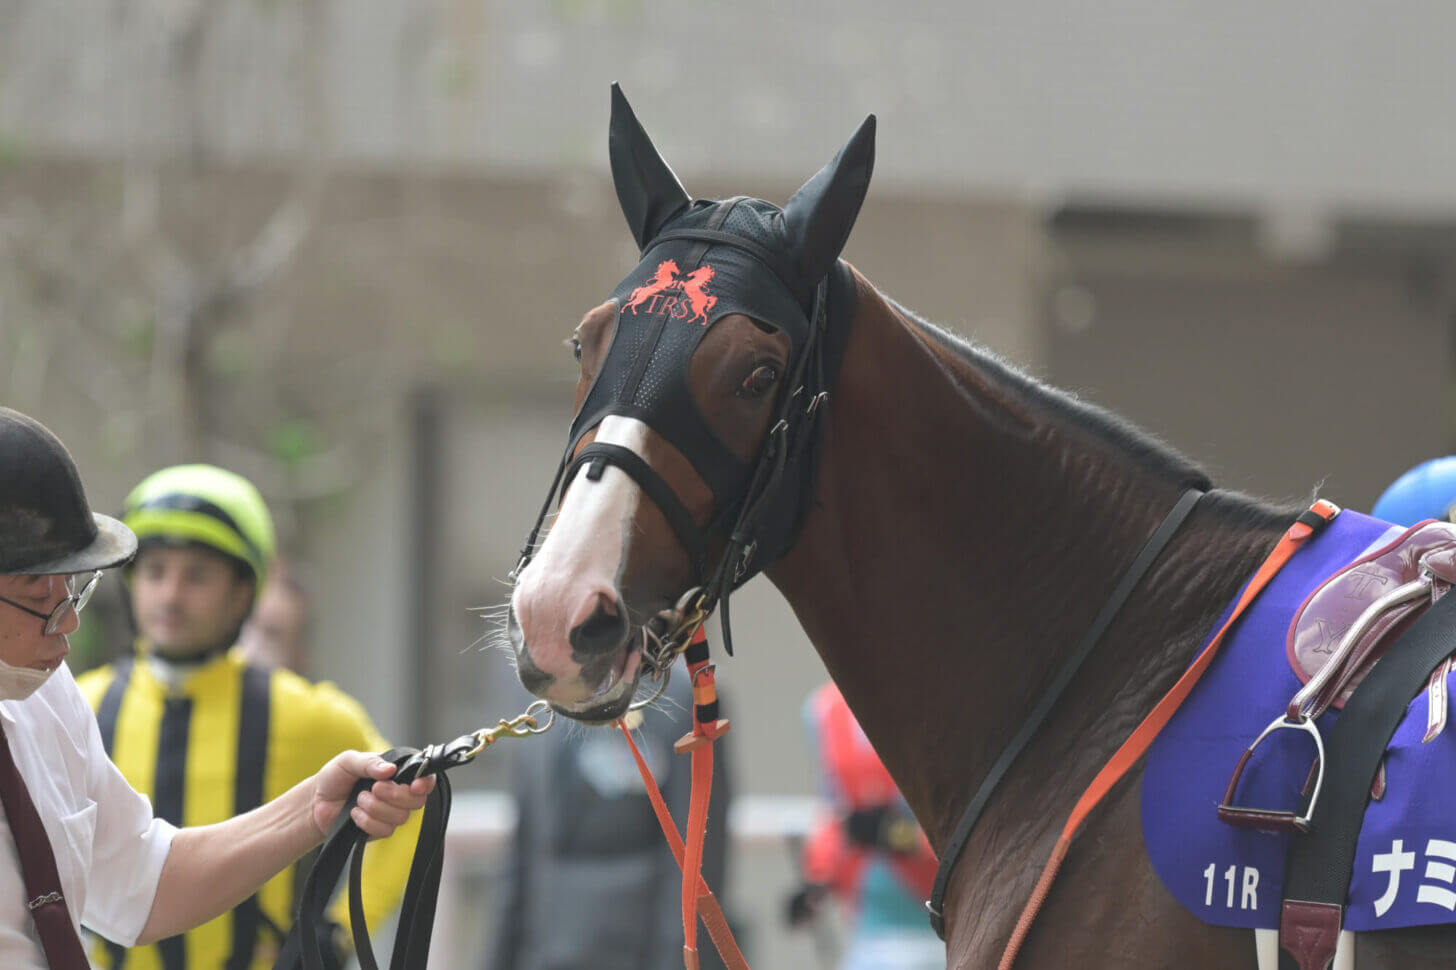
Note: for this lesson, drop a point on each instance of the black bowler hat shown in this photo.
(46, 526)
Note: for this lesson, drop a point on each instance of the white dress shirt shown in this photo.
(109, 848)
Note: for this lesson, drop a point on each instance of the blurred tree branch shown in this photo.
(134, 280)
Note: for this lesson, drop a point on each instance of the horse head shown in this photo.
(699, 379)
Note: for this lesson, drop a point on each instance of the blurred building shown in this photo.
(337, 244)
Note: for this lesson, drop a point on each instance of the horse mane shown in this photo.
(1107, 427)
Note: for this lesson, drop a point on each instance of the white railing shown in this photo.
(482, 822)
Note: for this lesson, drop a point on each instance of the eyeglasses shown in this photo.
(71, 601)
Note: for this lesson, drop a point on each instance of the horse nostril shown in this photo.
(603, 630)
(533, 678)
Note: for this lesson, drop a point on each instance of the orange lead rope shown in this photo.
(707, 728)
(1138, 742)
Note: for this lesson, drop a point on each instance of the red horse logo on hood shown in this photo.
(682, 297)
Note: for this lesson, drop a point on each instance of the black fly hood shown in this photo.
(702, 260)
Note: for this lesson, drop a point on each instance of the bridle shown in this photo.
(754, 528)
(750, 529)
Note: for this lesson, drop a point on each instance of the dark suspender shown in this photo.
(111, 704)
(253, 715)
(106, 716)
(169, 789)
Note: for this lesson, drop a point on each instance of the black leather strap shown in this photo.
(307, 943)
(935, 906)
(306, 947)
(659, 491)
(1319, 864)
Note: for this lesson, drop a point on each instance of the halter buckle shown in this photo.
(744, 559)
(521, 563)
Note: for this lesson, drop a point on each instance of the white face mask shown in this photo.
(18, 683)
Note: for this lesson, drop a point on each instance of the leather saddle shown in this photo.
(1337, 636)
(1321, 623)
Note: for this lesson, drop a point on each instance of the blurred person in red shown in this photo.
(868, 852)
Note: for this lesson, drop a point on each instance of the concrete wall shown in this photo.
(1281, 378)
(1294, 103)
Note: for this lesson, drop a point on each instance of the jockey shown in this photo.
(869, 852)
(202, 731)
(1427, 491)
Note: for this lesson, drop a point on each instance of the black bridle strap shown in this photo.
(599, 454)
(1115, 601)
(529, 549)
(787, 439)
(793, 443)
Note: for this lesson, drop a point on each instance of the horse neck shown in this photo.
(968, 527)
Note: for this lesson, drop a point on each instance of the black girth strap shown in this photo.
(1320, 863)
(1140, 565)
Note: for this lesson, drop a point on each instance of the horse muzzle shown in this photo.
(590, 672)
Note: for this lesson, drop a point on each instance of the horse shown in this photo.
(950, 529)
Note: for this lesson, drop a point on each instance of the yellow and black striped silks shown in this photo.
(226, 739)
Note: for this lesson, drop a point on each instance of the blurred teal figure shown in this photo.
(1427, 491)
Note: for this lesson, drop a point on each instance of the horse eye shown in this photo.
(760, 382)
(574, 342)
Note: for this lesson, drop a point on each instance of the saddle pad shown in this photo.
(1405, 860)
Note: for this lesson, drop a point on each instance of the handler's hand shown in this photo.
(381, 809)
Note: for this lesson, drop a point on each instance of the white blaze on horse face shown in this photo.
(579, 563)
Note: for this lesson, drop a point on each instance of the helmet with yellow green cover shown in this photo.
(206, 505)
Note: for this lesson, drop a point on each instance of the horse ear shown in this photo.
(821, 214)
(648, 191)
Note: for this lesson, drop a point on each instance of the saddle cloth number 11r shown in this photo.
(1405, 859)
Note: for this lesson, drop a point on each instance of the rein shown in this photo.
(697, 898)
(791, 444)
(1159, 540)
(1309, 524)
(756, 528)
(304, 948)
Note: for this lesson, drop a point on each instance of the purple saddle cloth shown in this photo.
(1405, 859)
